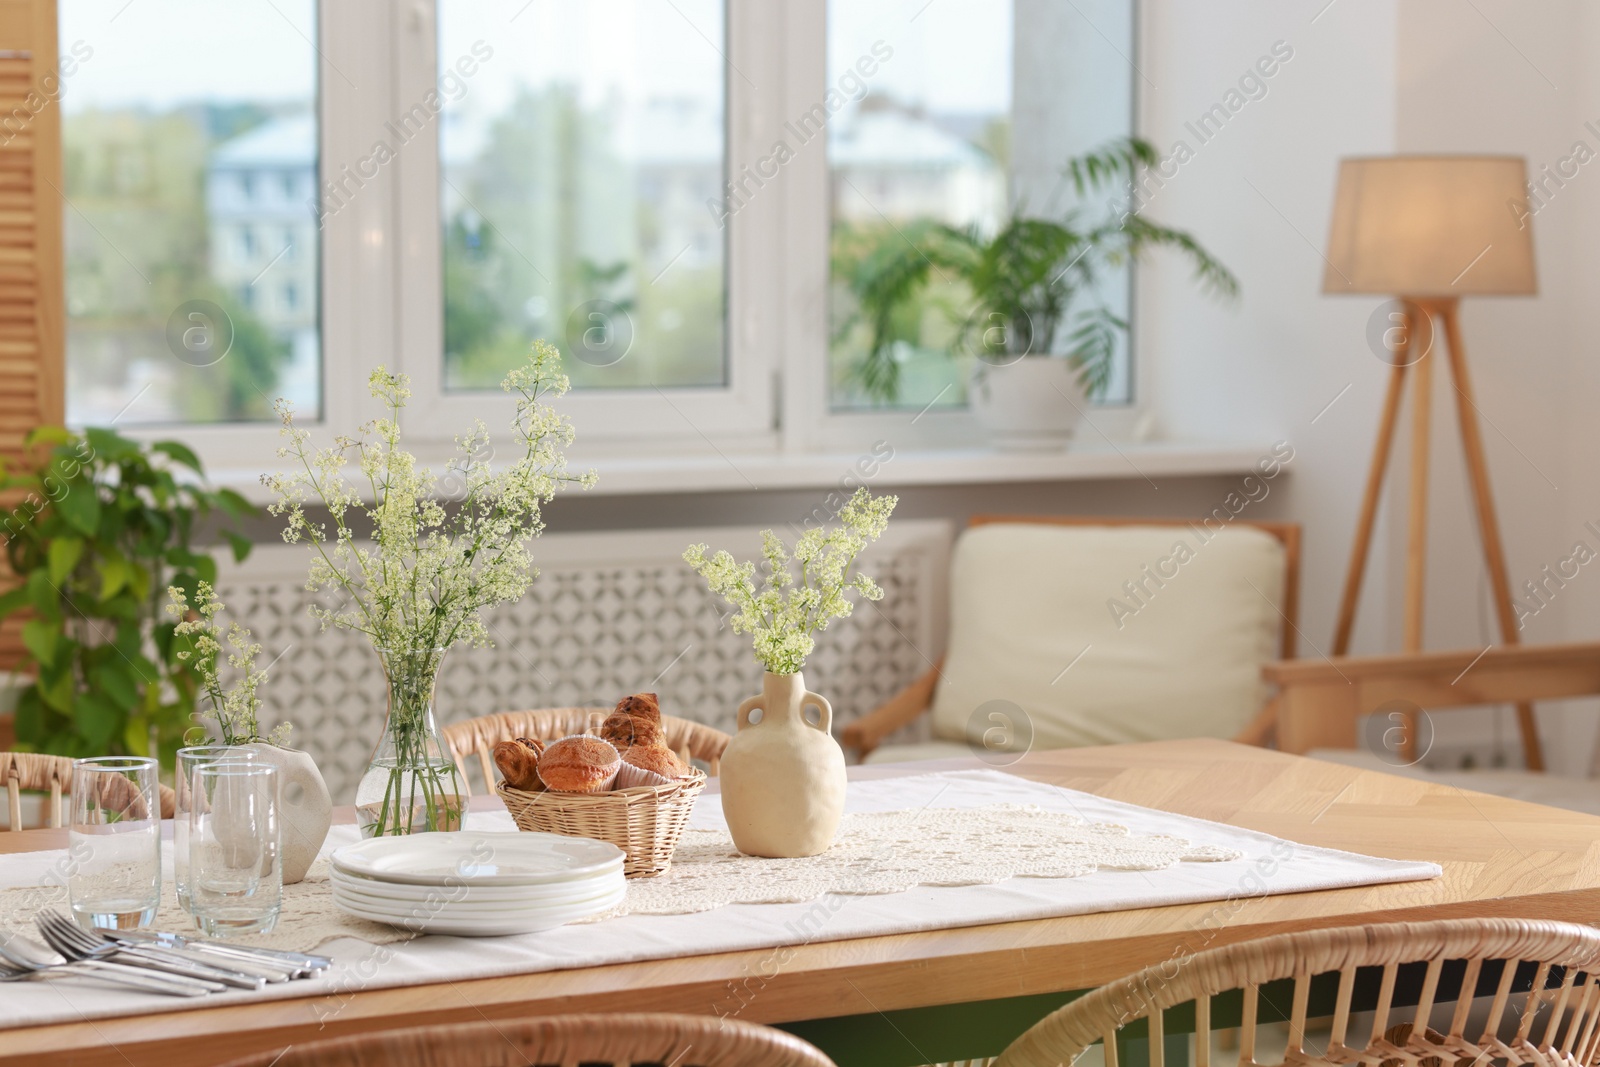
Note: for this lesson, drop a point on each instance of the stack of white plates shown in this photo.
(475, 884)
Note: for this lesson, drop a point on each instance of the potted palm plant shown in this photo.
(1031, 313)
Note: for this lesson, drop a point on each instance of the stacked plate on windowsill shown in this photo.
(476, 884)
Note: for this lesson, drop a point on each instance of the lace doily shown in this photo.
(889, 852)
(878, 853)
(308, 920)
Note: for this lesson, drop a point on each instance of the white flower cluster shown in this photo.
(785, 614)
(237, 709)
(431, 571)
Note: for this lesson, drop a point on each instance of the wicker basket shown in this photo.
(645, 822)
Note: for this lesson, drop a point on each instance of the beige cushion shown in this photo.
(1181, 659)
(1552, 790)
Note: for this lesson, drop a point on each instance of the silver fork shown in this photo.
(75, 943)
(22, 960)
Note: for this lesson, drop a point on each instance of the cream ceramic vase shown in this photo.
(305, 809)
(782, 779)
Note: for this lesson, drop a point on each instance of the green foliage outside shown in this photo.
(536, 229)
(103, 528)
(138, 246)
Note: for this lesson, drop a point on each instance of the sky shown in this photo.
(164, 52)
(634, 48)
(949, 55)
(952, 55)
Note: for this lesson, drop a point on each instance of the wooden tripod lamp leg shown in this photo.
(1417, 516)
(1488, 525)
(1369, 500)
(1417, 533)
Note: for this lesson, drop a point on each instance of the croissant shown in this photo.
(518, 761)
(637, 721)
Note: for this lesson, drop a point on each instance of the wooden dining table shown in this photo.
(958, 993)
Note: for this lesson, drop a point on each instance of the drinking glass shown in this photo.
(235, 876)
(115, 836)
(188, 759)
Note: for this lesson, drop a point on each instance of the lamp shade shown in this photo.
(1431, 226)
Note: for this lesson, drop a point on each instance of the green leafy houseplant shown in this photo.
(1033, 279)
(103, 527)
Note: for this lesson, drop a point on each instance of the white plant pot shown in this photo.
(1032, 405)
(306, 809)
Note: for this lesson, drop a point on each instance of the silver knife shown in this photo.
(299, 960)
(171, 982)
(174, 961)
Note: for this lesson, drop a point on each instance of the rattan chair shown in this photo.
(477, 737)
(618, 1040)
(37, 772)
(1562, 1006)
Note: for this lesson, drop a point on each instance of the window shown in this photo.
(164, 133)
(957, 114)
(672, 191)
(579, 145)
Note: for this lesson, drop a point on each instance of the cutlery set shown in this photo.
(150, 961)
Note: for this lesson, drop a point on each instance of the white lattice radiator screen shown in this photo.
(609, 614)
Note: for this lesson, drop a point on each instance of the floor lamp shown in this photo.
(1429, 230)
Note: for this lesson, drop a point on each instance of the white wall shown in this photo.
(1375, 76)
(1258, 194)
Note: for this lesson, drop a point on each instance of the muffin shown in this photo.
(631, 777)
(657, 759)
(579, 764)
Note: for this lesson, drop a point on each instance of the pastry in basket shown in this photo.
(651, 765)
(635, 729)
(657, 758)
(579, 764)
(637, 721)
(518, 761)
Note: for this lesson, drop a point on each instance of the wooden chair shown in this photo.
(617, 1040)
(477, 737)
(1548, 1021)
(868, 732)
(37, 772)
(1323, 702)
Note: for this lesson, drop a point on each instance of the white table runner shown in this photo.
(1268, 865)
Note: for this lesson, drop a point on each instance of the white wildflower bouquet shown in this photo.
(236, 710)
(431, 570)
(786, 613)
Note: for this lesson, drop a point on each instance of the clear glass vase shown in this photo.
(411, 785)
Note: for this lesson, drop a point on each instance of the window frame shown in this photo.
(380, 279)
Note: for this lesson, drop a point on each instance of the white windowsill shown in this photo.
(753, 472)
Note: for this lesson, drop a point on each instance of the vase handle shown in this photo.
(825, 723)
(746, 706)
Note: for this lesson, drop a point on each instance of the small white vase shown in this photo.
(306, 809)
(783, 779)
(1032, 405)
